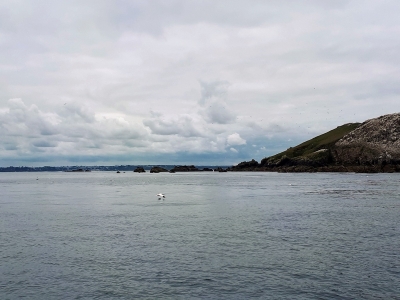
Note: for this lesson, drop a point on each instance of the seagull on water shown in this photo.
(160, 196)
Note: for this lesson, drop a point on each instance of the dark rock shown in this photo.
(246, 166)
(139, 170)
(185, 169)
(157, 170)
(208, 169)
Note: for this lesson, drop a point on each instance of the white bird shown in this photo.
(160, 196)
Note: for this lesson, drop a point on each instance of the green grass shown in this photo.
(323, 141)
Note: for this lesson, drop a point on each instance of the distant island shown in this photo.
(369, 147)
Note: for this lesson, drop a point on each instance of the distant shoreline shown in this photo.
(125, 168)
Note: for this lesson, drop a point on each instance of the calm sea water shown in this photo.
(103, 235)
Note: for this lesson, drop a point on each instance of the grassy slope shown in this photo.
(323, 141)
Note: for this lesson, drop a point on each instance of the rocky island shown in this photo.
(369, 147)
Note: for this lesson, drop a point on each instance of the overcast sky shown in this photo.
(188, 81)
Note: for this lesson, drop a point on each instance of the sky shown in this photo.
(110, 82)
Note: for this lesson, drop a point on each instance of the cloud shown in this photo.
(268, 71)
(209, 90)
(183, 125)
(218, 113)
(20, 120)
(235, 140)
(43, 143)
(70, 131)
(75, 112)
(213, 102)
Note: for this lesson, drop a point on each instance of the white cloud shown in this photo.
(235, 140)
(218, 113)
(184, 126)
(266, 71)
(214, 104)
(69, 131)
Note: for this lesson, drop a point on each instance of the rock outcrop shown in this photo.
(157, 170)
(139, 170)
(207, 170)
(375, 143)
(184, 169)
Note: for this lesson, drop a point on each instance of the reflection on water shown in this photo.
(216, 235)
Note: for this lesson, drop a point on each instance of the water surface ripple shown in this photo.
(103, 235)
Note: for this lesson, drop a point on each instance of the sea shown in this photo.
(234, 235)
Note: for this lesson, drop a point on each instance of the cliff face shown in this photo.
(375, 142)
(373, 146)
(382, 132)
